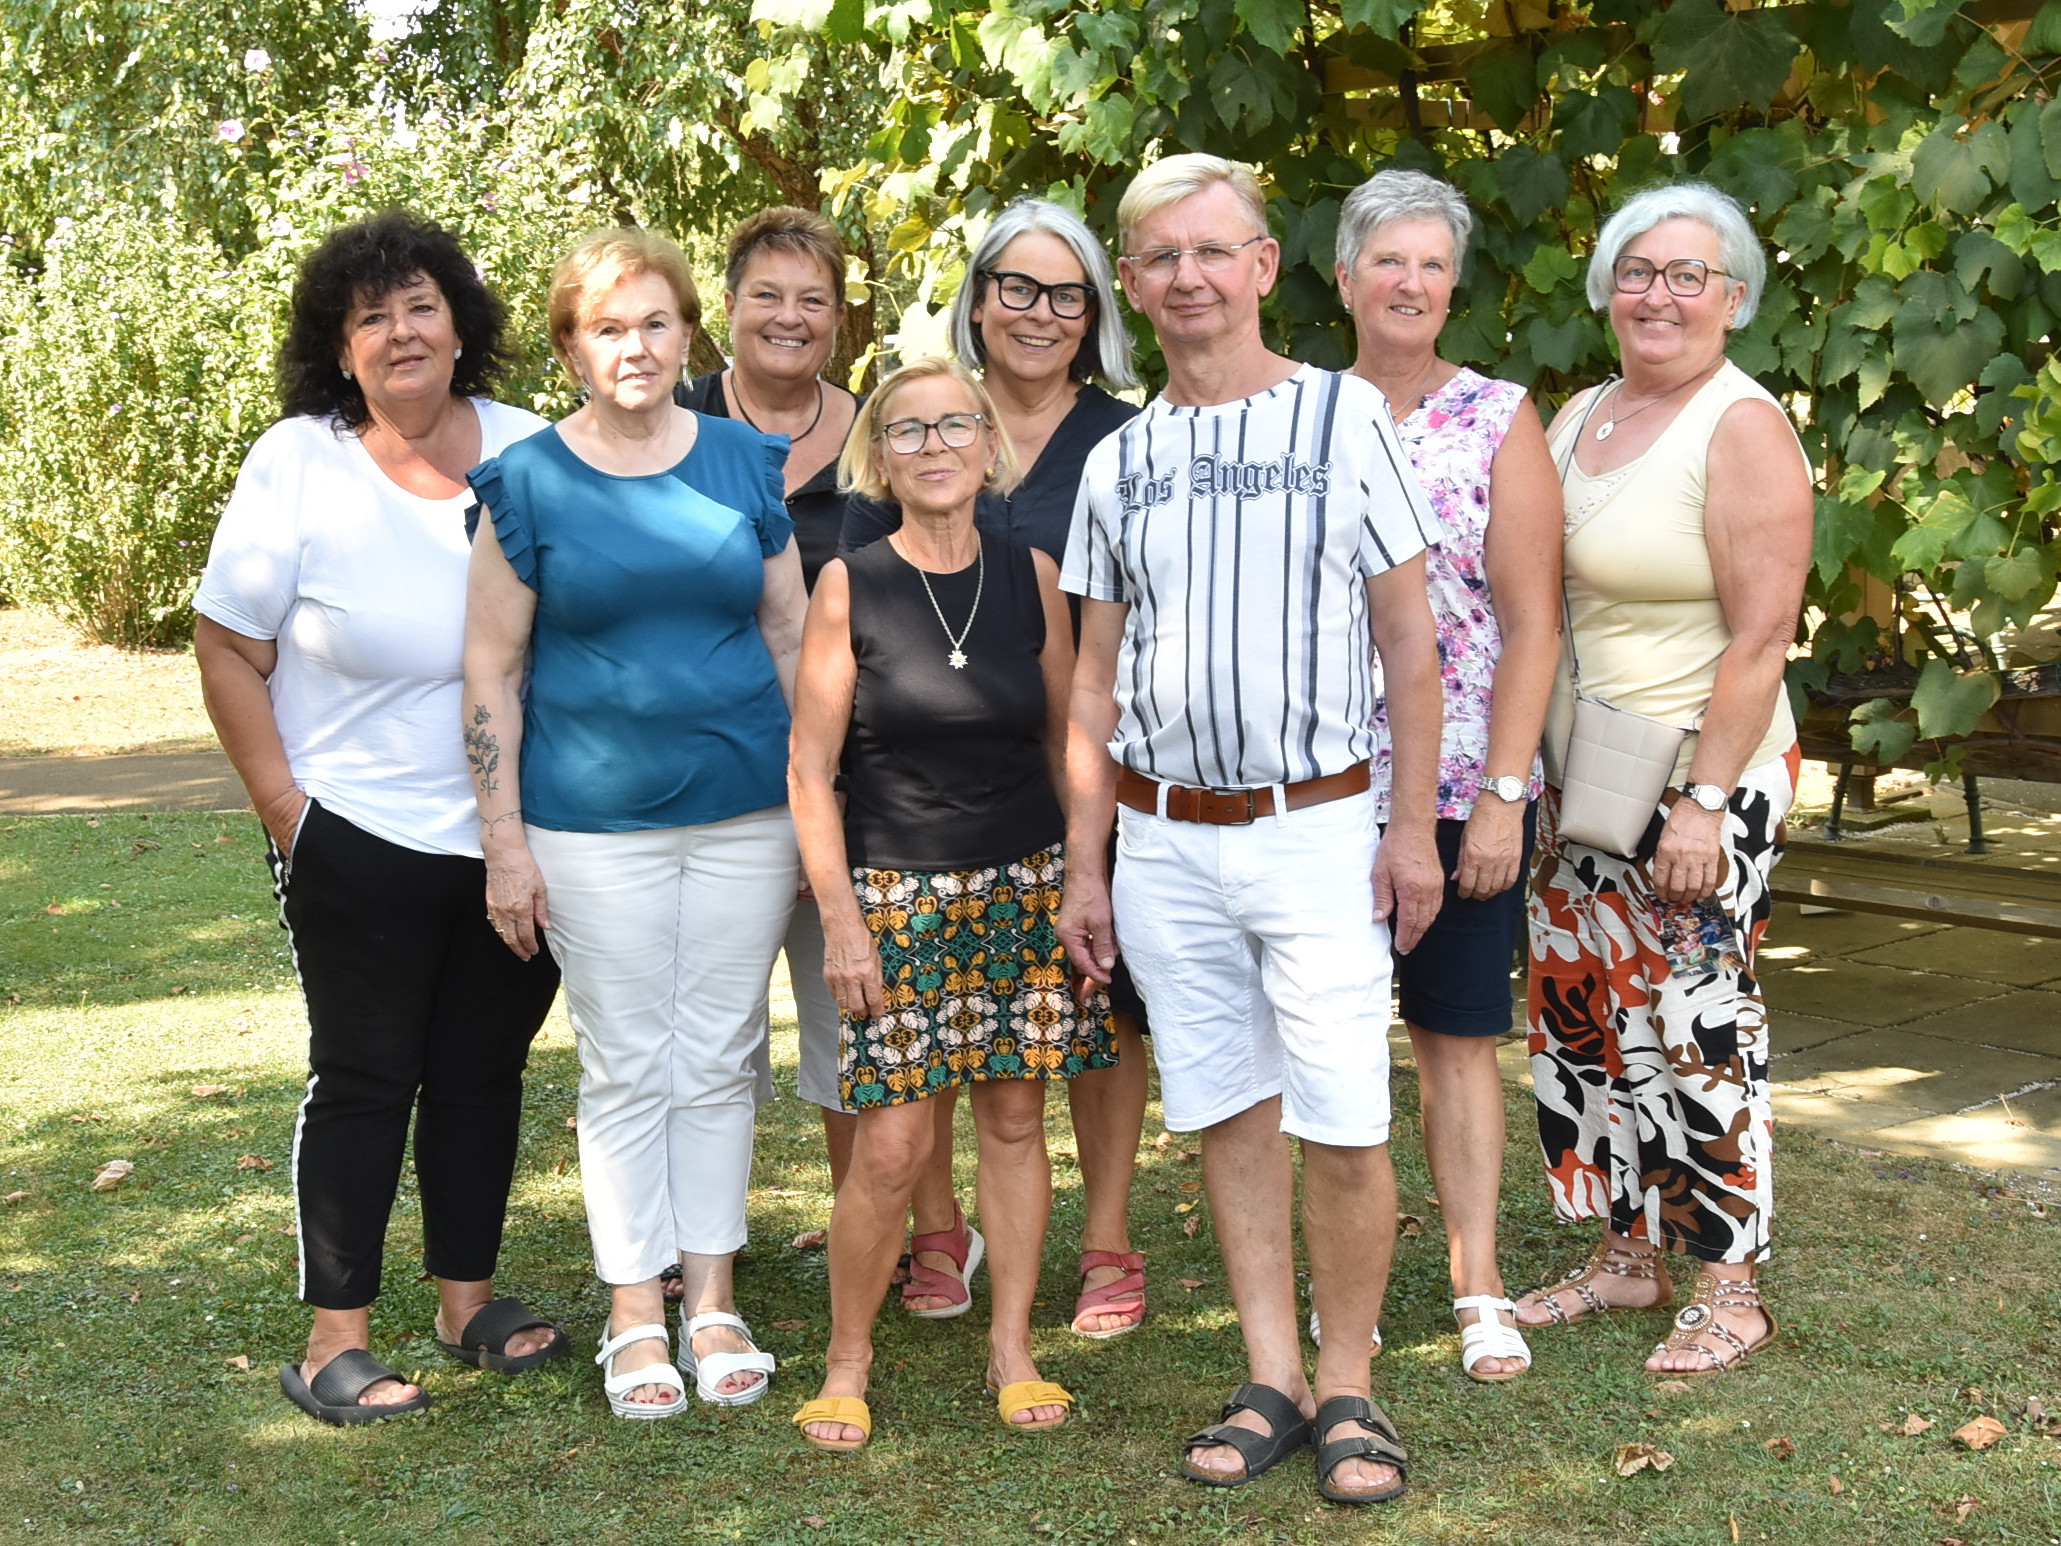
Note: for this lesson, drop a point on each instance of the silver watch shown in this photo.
(1708, 796)
(1509, 788)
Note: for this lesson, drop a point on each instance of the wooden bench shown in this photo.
(1836, 875)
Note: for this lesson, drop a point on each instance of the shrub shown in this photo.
(134, 377)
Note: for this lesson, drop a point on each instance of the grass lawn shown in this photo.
(140, 960)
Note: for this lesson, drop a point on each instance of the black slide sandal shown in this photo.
(1383, 1445)
(1262, 1451)
(333, 1395)
(488, 1332)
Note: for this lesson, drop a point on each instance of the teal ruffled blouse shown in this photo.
(652, 699)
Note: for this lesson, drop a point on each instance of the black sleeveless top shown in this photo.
(944, 768)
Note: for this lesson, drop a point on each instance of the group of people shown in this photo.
(1036, 729)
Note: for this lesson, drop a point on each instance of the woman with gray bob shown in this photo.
(1688, 509)
(1480, 451)
(1037, 317)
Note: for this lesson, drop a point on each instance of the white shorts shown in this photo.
(1266, 974)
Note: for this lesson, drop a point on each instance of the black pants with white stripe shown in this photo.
(414, 1006)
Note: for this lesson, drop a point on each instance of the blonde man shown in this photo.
(1242, 547)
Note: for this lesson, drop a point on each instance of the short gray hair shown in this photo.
(1745, 262)
(1174, 178)
(1106, 351)
(1399, 195)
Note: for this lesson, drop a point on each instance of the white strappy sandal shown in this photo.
(710, 1372)
(618, 1386)
(1488, 1337)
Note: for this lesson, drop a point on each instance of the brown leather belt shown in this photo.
(1235, 807)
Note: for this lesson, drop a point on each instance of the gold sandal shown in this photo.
(1619, 1263)
(1699, 1317)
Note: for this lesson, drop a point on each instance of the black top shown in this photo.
(817, 509)
(945, 768)
(1040, 512)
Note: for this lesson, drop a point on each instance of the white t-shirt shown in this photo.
(1242, 537)
(363, 586)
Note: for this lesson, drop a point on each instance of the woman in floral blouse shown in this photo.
(1480, 452)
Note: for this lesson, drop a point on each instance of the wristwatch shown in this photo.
(1708, 796)
(1509, 788)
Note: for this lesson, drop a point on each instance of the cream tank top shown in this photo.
(1640, 590)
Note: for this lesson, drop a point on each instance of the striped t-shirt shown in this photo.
(1241, 536)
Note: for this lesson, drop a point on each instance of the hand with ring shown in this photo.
(515, 901)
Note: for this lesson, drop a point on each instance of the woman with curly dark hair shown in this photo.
(332, 618)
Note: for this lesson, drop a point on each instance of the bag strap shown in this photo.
(1574, 659)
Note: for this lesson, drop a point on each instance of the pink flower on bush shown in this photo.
(230, 129)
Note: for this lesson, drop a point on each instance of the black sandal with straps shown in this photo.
(1381, 1444)
(1288, 1431)
(484, 1342)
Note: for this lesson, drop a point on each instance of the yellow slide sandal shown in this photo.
(836, 1409)
(1022, 1395)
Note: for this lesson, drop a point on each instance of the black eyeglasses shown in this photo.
(956, 430)
(1684, 276)
(1020, 292)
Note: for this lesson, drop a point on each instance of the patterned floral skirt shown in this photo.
(1649, 1038)
(978, 985)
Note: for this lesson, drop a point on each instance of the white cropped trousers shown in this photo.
(665, 939)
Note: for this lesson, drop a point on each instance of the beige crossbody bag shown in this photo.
(1617, 763)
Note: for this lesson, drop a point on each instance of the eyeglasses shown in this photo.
(1684, 276)
(955, 430)
(1020, 292)
(1210, 257)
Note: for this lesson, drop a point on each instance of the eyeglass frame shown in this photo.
(887, 432)
(1046, 293)
(1146, 262)
(1660, 272)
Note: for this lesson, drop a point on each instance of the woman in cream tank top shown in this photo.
(1688, 530)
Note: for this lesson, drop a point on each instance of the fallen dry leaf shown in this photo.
(1981, 1433)
(1409, 1226)
(1191, 1154)
(1673, 1387)
(790, 1325)
(814, 1521)
(252, 1162)
(1191, 1186)
(13, 1197)
(1191, 1284)
(203, 1091)
(1632, 1458)
(1963, 1507)
(809, 1239)
(112, 1175)
(1781, 1448)
(572, 1122)
(1952, 1540)
(87, 1116)
(133, 1296)
(240, 1361)
(1162, 1141)
(223, 837)
(1910, 1427)
(1183, 1207)
(1838, 1486)
(1733, 1521)
(559, 1168)
(2038, 1418)
(55, 909)
(1190, 1224)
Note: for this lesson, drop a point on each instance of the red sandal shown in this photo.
(1120, 1296)
(964, 1245)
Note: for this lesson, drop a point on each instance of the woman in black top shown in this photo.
(935, 668)
(1038, 315)
(783, 292)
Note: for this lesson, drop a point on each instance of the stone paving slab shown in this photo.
(157, 781)
(1863, 994)
(1791, 1032)
(1932, 1073)
(2021, 960)
(2027, 1021)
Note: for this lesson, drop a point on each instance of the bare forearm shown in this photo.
(819, 829)
(239, 703)
(1090, 775)
(1416, 715)
(1522, 687)
(492, 732)
(1742, 705)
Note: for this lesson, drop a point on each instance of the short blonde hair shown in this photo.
(784, 228)
(604, 260)
(861, 469)
(1174, 178)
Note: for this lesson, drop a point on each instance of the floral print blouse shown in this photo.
(1452, 440)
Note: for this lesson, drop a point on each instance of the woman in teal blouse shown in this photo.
(637, 562)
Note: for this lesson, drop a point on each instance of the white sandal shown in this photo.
(1487, 1337)
(710, 1372)
(618, 1386)
(1317, 1333)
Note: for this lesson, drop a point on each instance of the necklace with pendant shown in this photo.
(1417, 397)
(1605, 429)
(957, 659)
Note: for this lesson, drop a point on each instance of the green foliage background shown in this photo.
(1902, 159)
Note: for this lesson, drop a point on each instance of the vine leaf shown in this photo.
(1533, 181)
(1942, 354)
(1383, 18)
(1878, 735)
(1954, 175)
(1949, 703)
(1504, 83)
(1594, 125)
(1730, 56)
(1272, 23)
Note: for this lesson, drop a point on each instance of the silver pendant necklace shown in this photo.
(957, 659)
(1609, 426)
